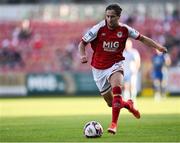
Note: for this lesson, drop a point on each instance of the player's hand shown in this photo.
(84, 59)
(163, 49)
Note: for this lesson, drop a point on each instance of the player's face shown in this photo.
(112, 19)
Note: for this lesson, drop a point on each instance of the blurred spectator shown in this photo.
(6, 43)
(175, 55)
(176, 14)
(160, 63)
(131, 67)
(170, 40)
(67, 58)
(25, 30)
(22, 35)
(130, 20)
(58, 53)
(15, 37)
(4, 52)
(37, 42)
(9, 56)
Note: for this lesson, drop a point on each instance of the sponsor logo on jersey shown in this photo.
(119, 34)
(110, 46)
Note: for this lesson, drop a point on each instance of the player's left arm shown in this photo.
(151, 43)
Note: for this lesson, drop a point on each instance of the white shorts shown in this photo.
(101, 77)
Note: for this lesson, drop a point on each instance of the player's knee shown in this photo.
(117, 90)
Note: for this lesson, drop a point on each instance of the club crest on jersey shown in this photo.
(119, 34)
(103, 34)
(110, 46)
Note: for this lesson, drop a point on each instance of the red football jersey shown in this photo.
(108, 45)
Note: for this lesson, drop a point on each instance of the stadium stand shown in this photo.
(57, 35)
(51, 41)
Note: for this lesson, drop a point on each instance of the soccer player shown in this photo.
(131, 69)
(108, 40)
(160, 62)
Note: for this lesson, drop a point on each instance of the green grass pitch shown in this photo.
(61, 119)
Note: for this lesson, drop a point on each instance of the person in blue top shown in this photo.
(160, 63)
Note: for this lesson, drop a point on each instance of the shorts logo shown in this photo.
(119, 34)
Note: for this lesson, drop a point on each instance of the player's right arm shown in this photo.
(82, 52)
(89, 36)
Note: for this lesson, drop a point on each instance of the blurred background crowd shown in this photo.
(42, 36)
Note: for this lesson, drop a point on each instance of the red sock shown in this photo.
(117, 91)
(116, 106)
(126, 105)
(117, 103)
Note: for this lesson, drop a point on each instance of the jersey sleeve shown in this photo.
(132, 32)
(91, 34)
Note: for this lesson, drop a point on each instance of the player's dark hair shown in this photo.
(115, 7)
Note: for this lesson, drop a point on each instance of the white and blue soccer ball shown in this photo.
(93, 129)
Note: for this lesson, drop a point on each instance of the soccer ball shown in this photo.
(93, 129)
